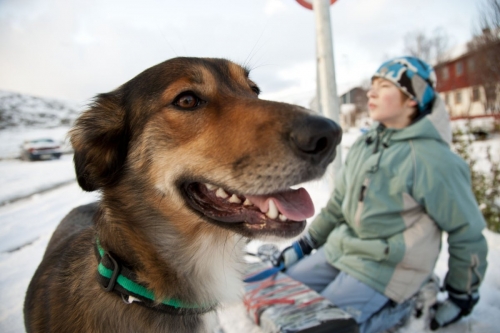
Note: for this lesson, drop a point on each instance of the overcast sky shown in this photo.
(75, 49)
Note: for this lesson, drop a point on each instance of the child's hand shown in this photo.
(455, 307)
(297, 251)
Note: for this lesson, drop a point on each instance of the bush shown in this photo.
(485, 186)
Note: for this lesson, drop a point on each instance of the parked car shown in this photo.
(40, 149)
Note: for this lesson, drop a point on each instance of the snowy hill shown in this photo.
(20, 110)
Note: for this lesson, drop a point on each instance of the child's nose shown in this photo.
(371, 93)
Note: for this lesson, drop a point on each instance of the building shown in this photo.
(353, 107)
(455, 83)
(467, 92)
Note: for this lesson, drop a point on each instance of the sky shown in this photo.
(75, 49)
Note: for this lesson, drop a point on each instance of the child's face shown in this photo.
(387, 106)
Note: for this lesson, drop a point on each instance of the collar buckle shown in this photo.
(114, 275)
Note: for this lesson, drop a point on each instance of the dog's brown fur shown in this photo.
(140, 145)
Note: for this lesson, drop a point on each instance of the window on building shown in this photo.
(458, 97)
(459, 68)
(470, 65)
(445, 73)
(447, 98)
(475, 94)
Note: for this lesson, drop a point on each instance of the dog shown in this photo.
(190, 164)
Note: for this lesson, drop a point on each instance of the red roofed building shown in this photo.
(466, 87)
(460, 88)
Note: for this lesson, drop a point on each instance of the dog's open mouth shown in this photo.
(273, 211)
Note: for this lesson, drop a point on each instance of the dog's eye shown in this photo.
(187, 100)
(256, 90)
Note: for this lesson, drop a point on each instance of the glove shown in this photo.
(297, 251)
(455, 307)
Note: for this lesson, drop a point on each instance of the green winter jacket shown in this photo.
(397, 191)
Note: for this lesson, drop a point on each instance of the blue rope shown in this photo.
(265, 273)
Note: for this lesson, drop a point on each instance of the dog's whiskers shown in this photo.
(252, 53)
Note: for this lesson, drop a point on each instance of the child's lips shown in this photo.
(371, 106)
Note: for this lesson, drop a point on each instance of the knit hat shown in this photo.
(414, 77)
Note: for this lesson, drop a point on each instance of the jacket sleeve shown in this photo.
(331, 215)
(444, 189)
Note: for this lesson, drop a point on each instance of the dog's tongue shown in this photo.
(296, 205)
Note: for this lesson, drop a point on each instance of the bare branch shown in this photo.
(431, 49)
(418, 45)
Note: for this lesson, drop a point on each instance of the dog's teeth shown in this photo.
(247, 203)
(210, 187)
(221, 193)
(234, 199)
(272, 213)
(282, 217)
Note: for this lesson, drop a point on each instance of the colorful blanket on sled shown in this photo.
(279, 304)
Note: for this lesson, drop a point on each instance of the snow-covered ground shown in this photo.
(27, 224)
(20, 179)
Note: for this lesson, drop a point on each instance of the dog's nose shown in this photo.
(315, 139)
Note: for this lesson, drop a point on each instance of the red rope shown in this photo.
(254, 303)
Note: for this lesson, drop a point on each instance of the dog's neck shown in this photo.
(218, 264)
(205, 269)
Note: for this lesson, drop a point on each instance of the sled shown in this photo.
(279, 304)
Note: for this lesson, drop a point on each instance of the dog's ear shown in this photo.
(100, 140)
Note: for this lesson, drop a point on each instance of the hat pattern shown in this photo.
(414, 77)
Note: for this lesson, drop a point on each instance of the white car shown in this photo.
(40, 149)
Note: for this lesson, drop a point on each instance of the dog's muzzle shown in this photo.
(310, 144)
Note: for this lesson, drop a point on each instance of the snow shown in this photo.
(21, 179)
(456, 52)
(25, 229)
(27, 224)
(347, 109)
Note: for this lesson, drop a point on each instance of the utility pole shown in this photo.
(328, 99)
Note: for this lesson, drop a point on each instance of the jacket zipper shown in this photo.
(363, 189)
(362, 193)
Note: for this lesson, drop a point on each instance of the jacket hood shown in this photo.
(435, 125)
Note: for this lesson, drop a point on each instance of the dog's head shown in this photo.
(194, 134)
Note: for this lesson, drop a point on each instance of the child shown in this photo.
(379, 236)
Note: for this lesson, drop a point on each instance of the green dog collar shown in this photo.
(115, 277)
